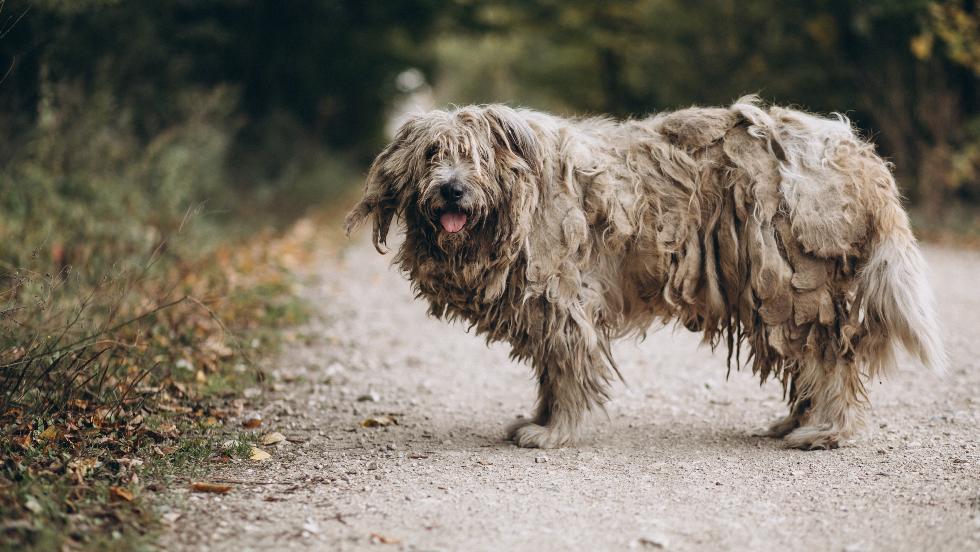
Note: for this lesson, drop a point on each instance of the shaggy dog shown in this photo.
(764, 227)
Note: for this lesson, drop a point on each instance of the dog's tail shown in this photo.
(895, 298)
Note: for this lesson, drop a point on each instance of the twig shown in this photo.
(243, 482)
(132, 385)
(73, 345)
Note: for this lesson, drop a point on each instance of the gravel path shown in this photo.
(672, 464)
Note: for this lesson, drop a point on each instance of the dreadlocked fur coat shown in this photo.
(777, 234)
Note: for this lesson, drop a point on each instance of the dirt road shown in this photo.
(674, 463)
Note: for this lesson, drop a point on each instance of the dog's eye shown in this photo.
(431, 151)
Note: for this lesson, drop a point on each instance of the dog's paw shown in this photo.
(527, 434)
(813, 438)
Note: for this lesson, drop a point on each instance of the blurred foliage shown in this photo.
(329, 65)
(906, 71)
(313, 74)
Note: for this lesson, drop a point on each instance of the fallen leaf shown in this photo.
(259, 455)
(78, 403)
(167, 430)
(202, 487)
(24, 441)
(652, 541)
(273, 438)
(32, 504)
(377, 538)
(379, 421)
(120, 493)
(49, 434)
(80, 467)
(218, 347)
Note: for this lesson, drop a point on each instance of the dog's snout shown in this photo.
(452, 190)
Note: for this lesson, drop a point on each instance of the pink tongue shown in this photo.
(452, 222)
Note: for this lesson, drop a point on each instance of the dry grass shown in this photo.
(134, 377)
(138, 286)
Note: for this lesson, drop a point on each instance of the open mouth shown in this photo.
(452, 221)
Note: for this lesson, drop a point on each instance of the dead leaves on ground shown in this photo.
(252, 422)
(377, 538)
(49, 434)
(379, 421)
(258, 455)
(202, 487)
(96, 453)
(176, 367)
(272, 438)
(120, 493)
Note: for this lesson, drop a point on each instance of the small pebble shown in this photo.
(370, 396)
(540, 459)
(311, 526)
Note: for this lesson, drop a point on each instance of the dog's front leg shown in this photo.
(572, 379)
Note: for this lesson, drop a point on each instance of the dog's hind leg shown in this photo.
(830, 407)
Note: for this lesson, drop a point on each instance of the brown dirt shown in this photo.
(673, 462)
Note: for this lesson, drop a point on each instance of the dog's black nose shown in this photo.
(452, 190)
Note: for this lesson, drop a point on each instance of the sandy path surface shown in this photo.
(674, 463)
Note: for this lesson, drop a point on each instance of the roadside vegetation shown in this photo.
(160, 168)
(136, 299)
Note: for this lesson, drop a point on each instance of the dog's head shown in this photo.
(459, 179)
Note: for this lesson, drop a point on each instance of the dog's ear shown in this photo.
(386, 180)
(380, 200)
(389, 177)
(513, 134)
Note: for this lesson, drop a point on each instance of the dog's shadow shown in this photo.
(604, 436)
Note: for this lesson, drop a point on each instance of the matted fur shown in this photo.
(764, 227)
